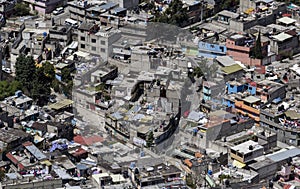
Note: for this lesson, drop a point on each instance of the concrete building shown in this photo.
(285, 44)
(208, 50)
(282, 122)
(246, 152)
(107, 13)
(144, 58)
(241, 48)
(97, 40)
(258, 12)
(231, 72)
(61, 34)
(126, 3)
(248, 106)
(265, 168)
(220, 124)
(44, 7)
(141, 123)
(6, 8)
(211, 90)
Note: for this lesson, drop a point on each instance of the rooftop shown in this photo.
(286, 20)
(228, 14)
(225, 60)
(251, 99)
(244, 147)
(281, 37)
(284, 154)
(231, 69)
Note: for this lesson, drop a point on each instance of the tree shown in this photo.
(67, 88)
(49, 70)
(66, 75)
(150, 139)
(8, 89)
(42, 85)
(21, 9)
(55, 86)
(197, 72)
(174, 14)
(26, 71)
(258, 48)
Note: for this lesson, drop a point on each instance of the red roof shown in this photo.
(79, 152)
(88, 140)
(27, 143)
(11, 158)
(286, 15)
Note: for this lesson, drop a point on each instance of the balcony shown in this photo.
(242, 106)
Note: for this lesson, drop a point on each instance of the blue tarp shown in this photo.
(277, 100)
(58, 146)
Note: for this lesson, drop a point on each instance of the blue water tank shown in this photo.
(209, 172)
(18, 93)
(142, 154)
(45, 34)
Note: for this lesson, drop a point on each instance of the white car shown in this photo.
(7, 70)
(58, 11)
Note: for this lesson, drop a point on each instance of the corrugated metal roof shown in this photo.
(34, 151)
(284, 155)
(231, 69)
(108, 5)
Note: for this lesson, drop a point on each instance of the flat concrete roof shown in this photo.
(244, 147)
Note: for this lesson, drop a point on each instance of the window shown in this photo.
(102, 50)
(102, 42)
(94, 40)
(82, 46)
(82, 38)
(94, 48)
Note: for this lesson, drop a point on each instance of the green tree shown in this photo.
(21, 9)
(49, 70)
(150, 139)
(66, 75)
(197, 72)
(8, 89)
(26, 71)
(42, 86)
(67, 88)
(257, 53)
(55, 86)
(174, 14)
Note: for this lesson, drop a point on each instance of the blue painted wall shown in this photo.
(209, 50)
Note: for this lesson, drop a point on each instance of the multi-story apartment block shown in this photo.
(241, 48)
(96, 40)
(284, 122)
(44, 7)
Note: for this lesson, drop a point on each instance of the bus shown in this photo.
(71, 22)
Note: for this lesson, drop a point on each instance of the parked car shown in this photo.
(7, 70)
(58, 11)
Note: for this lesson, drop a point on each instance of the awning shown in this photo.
(61, 104)
(238, 164)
